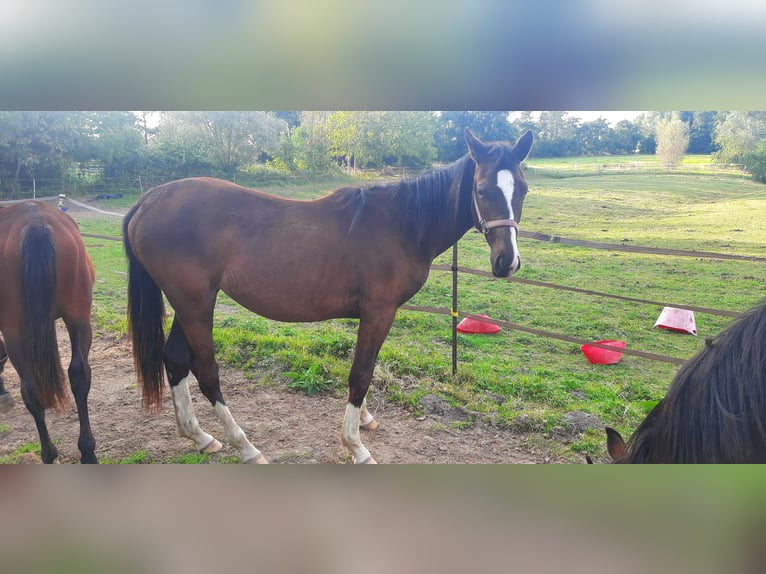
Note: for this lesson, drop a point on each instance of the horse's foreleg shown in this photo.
(79, 380)
(373, 330)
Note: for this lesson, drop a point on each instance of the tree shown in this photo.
(742, 139)
(701, 132)
(738, 133)
(556, 135)
(672, 139)
(408, 138)
(306, 146)
(113, 140)
(594, 138)
(177, 151)
(237, 138)
(626, 138)
(487, 125)
(754, 162)
(37, 146)
(358, 138)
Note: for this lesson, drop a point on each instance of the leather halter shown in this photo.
(491, 224)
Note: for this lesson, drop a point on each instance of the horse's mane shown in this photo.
(421, 200)
(715, 408)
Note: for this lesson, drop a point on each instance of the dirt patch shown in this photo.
(289, 427)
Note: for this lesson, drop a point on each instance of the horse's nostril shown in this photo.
(501, 263)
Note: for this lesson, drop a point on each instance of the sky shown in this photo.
(611, 116)
(587, 116)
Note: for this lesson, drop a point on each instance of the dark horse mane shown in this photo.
(422, 200)
(715, 409)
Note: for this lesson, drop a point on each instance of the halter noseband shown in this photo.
(487, 225)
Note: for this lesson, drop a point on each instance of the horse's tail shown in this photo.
(38, 293)
(146, 314)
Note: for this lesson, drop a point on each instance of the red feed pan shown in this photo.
(469, 325)
(599, 356)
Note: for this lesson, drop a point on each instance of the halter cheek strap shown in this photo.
(491, 224)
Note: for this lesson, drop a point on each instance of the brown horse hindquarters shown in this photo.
(46, 268)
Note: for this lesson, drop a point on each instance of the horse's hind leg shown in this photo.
(81, 337)
(6, 400)
(200, 338)
(177, 356)
(48, 452)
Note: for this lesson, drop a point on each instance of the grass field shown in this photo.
(513, 379)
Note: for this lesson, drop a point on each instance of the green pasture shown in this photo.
(512, 379)
(629, 165)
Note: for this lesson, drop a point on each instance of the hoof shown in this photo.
(212, 446)
(370, 460)
(372, 425)
(260, 459)
(6, 403)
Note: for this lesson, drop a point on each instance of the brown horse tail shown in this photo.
(38, 293)
(146, 314)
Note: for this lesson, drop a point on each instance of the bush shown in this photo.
(754, 162)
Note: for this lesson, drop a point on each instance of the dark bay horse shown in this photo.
(360, 252)
(45, 273)
(715, 408)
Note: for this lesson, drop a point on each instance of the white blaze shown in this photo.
(506, 184)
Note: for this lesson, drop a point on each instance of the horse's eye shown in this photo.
(481, 191)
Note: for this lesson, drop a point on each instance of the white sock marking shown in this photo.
(186, 420)
(350, 434)
(365, 416)
(235, 436)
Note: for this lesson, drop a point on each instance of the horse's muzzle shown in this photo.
(502, 266)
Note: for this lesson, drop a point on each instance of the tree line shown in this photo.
(104, 146)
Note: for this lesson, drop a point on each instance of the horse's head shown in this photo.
(499, 189)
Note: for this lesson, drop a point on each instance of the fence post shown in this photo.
(453, 312)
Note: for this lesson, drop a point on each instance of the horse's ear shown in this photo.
(614, 444)
(476, 147)
(523, 145)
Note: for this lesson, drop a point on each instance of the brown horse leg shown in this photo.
(16, 352)
(373, 329)
(199, 335)
(81, 337)
(6, 400)
(48, 452)
(177, 357)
